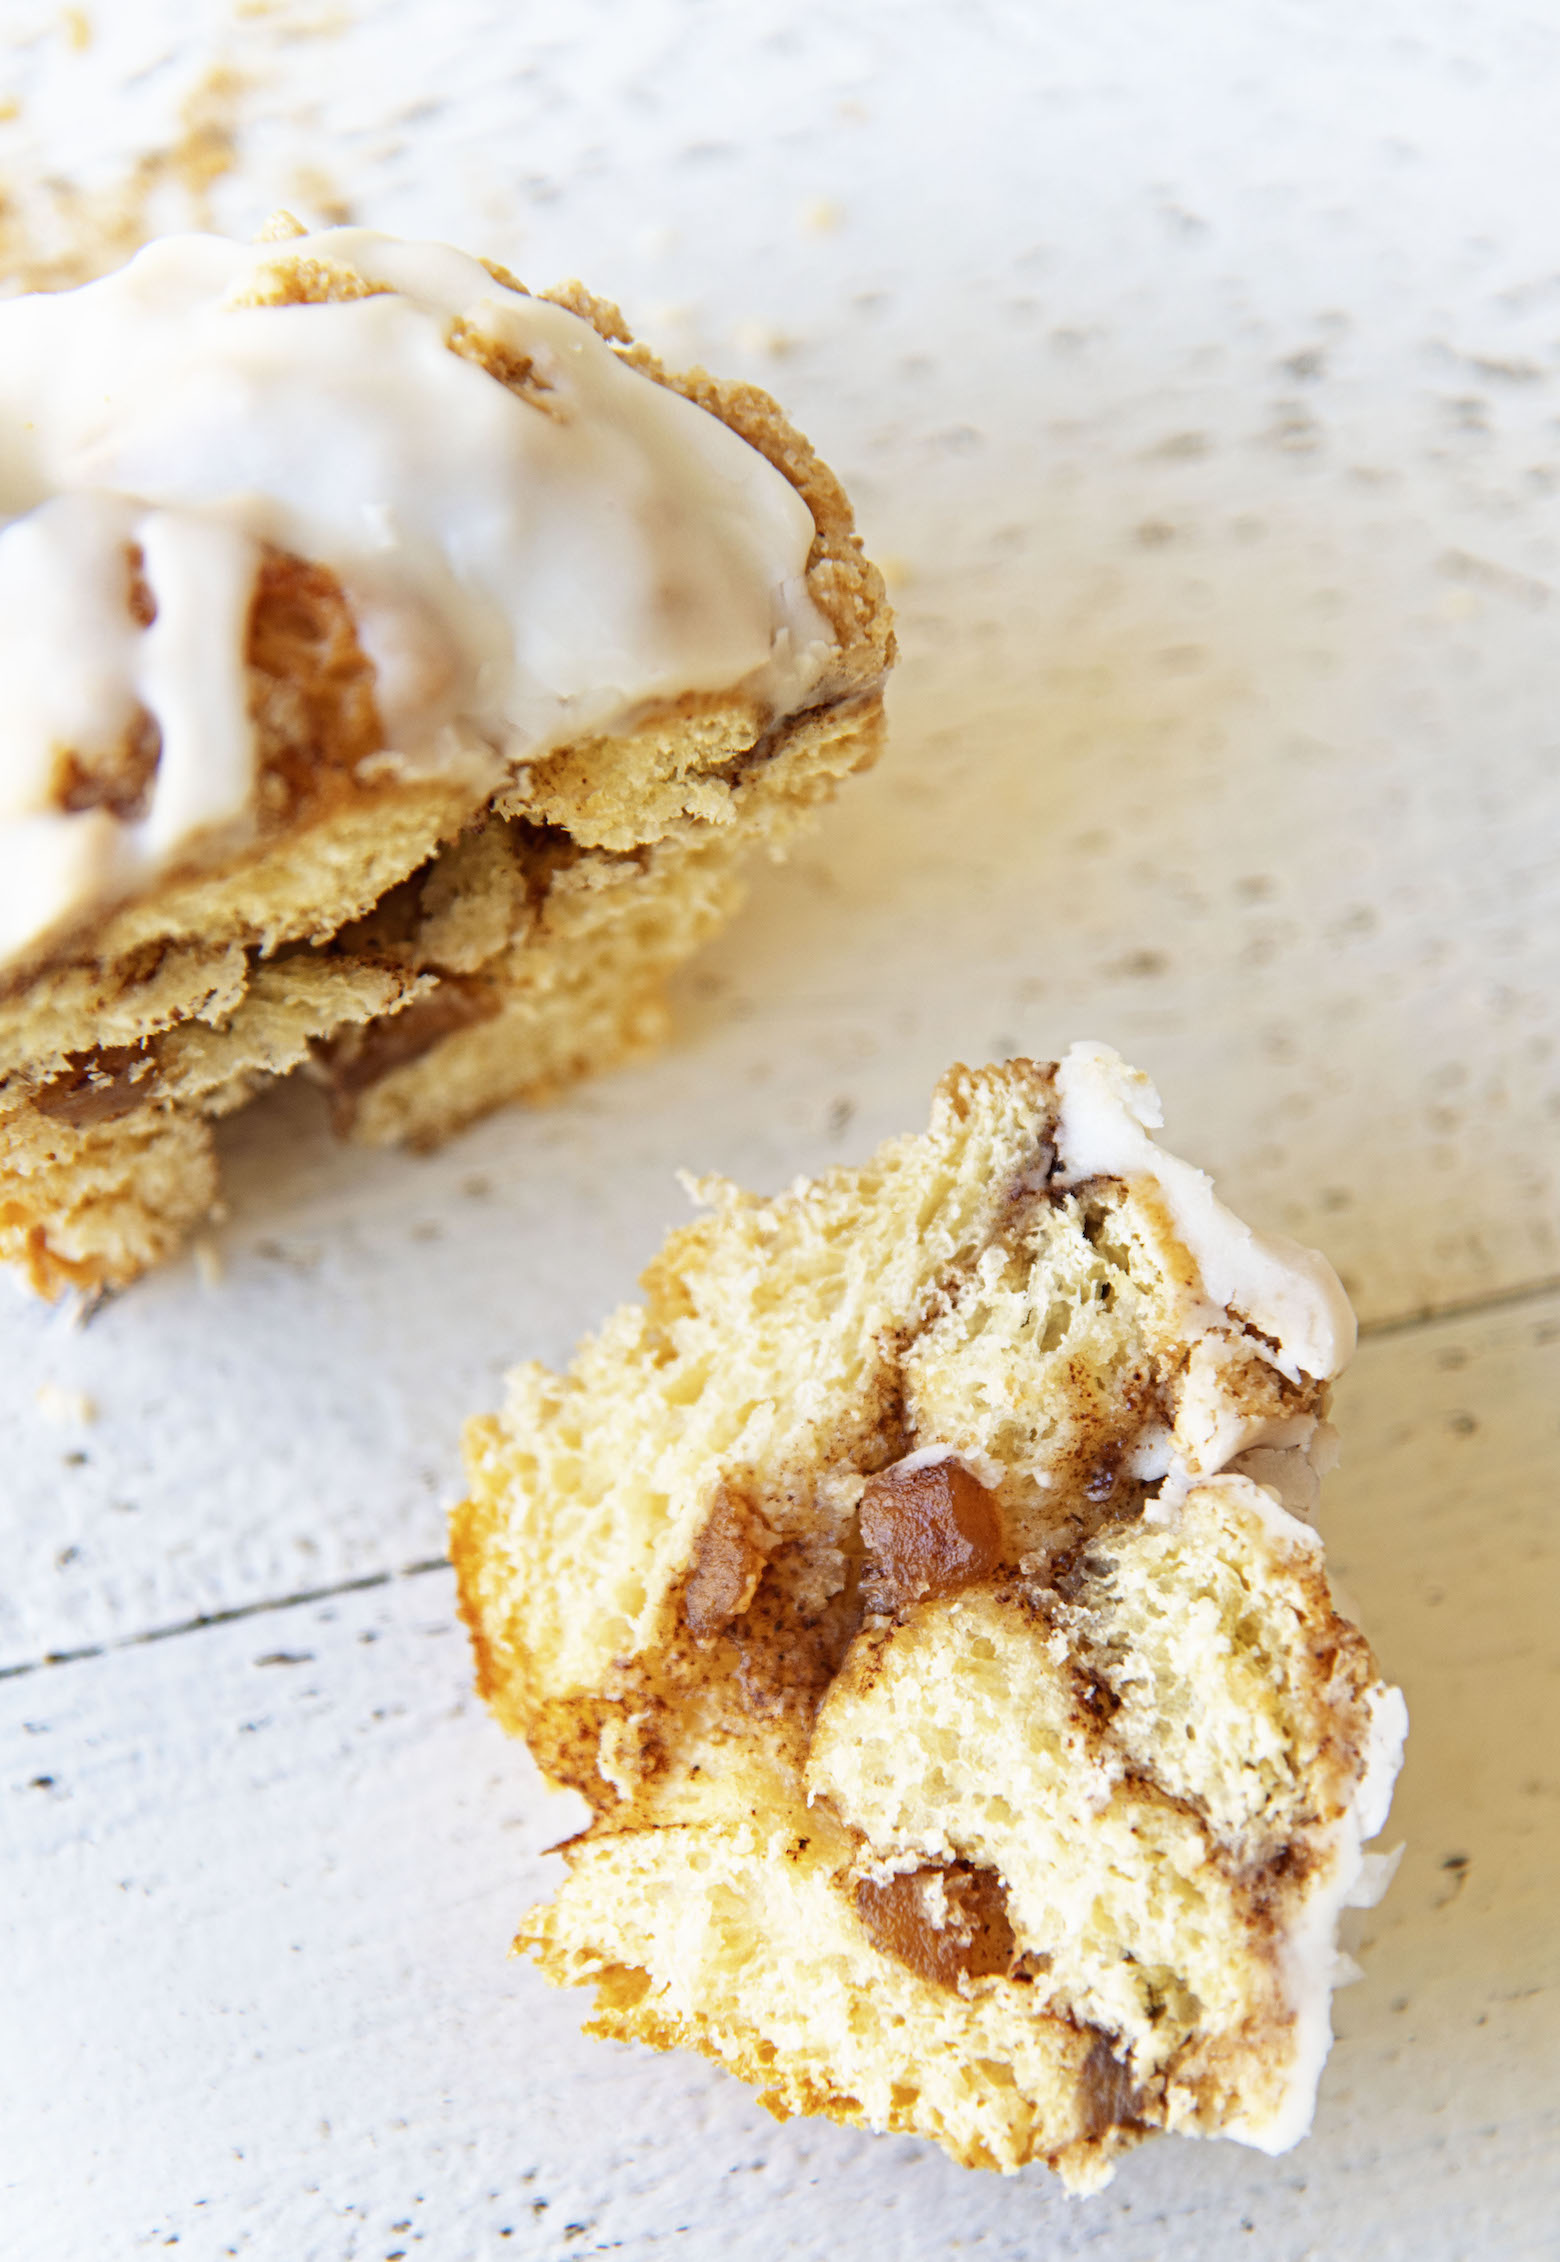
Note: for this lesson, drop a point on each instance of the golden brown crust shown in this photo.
(311, 690)
(991, 1795)
(550, 934)
(844, 583)
(1082, 2144)
(311, 685)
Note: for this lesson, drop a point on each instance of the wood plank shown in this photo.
(263, 1875)
(1197, 371)
(1226, 564)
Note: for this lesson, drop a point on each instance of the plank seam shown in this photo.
(1371, 1331)
(1469, 1307)
(209, 1618)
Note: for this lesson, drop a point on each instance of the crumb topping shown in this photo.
(515, 580)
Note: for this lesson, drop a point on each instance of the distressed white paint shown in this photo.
(1197, 367)
(268, 1871)
(1224, 731)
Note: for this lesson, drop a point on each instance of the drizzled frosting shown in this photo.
(1288, 1292)
(523, 567)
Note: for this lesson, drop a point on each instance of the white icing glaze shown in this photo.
(1376, 1874)
(521, 574)
(983, 1467)
(1310, 1961)
(1290, 1293)
(924, 1457)
(1212, 1424)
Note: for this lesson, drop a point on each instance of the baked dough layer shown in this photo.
(972, 1743)
(431, 942)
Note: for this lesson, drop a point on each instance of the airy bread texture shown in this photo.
(973, 1746)
(427, 947)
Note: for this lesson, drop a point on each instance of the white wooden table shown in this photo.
(1195, 371)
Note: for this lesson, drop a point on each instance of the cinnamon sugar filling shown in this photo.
(927, 1531)
(945, 1922)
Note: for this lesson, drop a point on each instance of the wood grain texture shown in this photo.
(1195, 372)
(267, 1874)
(1217, 484)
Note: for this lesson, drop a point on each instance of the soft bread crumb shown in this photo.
(428, 947)
(967, 1756)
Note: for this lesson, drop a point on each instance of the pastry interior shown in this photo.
(921, 1587)
(430, 896)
